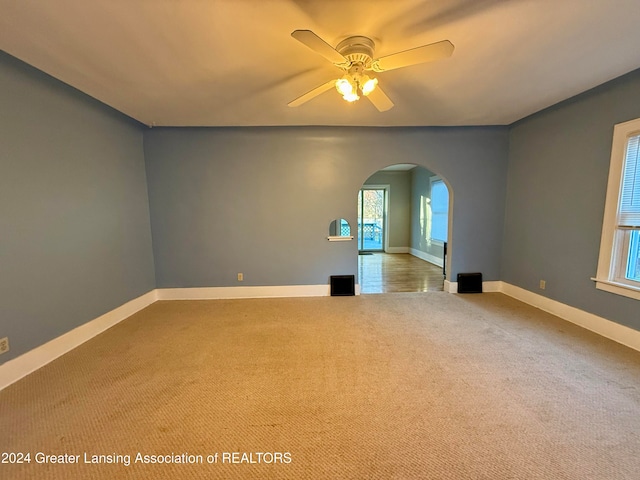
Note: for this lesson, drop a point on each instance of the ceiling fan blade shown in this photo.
(318, 45)
(380, 100)
(312, 94)
(425, 53)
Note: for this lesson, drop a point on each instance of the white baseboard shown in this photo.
(426, 257)
(397, 250)
(491, 286)
(450, 287)
(611, 330)
(21, 366)
(213, 293)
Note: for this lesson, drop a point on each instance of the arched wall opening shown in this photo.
(403, 209)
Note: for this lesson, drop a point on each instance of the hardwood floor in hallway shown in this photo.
(397, 272)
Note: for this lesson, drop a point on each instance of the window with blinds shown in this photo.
(629, 212)
(619, 261)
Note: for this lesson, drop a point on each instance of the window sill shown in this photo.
(618, 288)
(340, 239)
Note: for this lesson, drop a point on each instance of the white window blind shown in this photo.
(629, 211)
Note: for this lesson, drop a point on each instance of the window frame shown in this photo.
(615, 241)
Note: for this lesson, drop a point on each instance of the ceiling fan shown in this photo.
(354, 55)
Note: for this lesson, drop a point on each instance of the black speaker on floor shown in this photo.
(343, 285)
(469, 283)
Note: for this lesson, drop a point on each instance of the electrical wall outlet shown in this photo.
(240, 277)
(543, 284)
(4, 345)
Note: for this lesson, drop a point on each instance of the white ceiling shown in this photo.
(233, 62)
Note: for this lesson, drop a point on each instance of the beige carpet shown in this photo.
(424, 386)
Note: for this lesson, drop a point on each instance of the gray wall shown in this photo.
(260, 200)
(557, 180)
(399, 214)
(421, 187)
(75, 236)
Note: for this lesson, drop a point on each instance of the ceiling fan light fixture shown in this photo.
(347, 86)
(368, 85)
(355, 56)
(351, 97)
(344, 86)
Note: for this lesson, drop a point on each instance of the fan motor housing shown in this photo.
(357, 49)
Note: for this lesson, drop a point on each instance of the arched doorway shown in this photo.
(403, 230)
